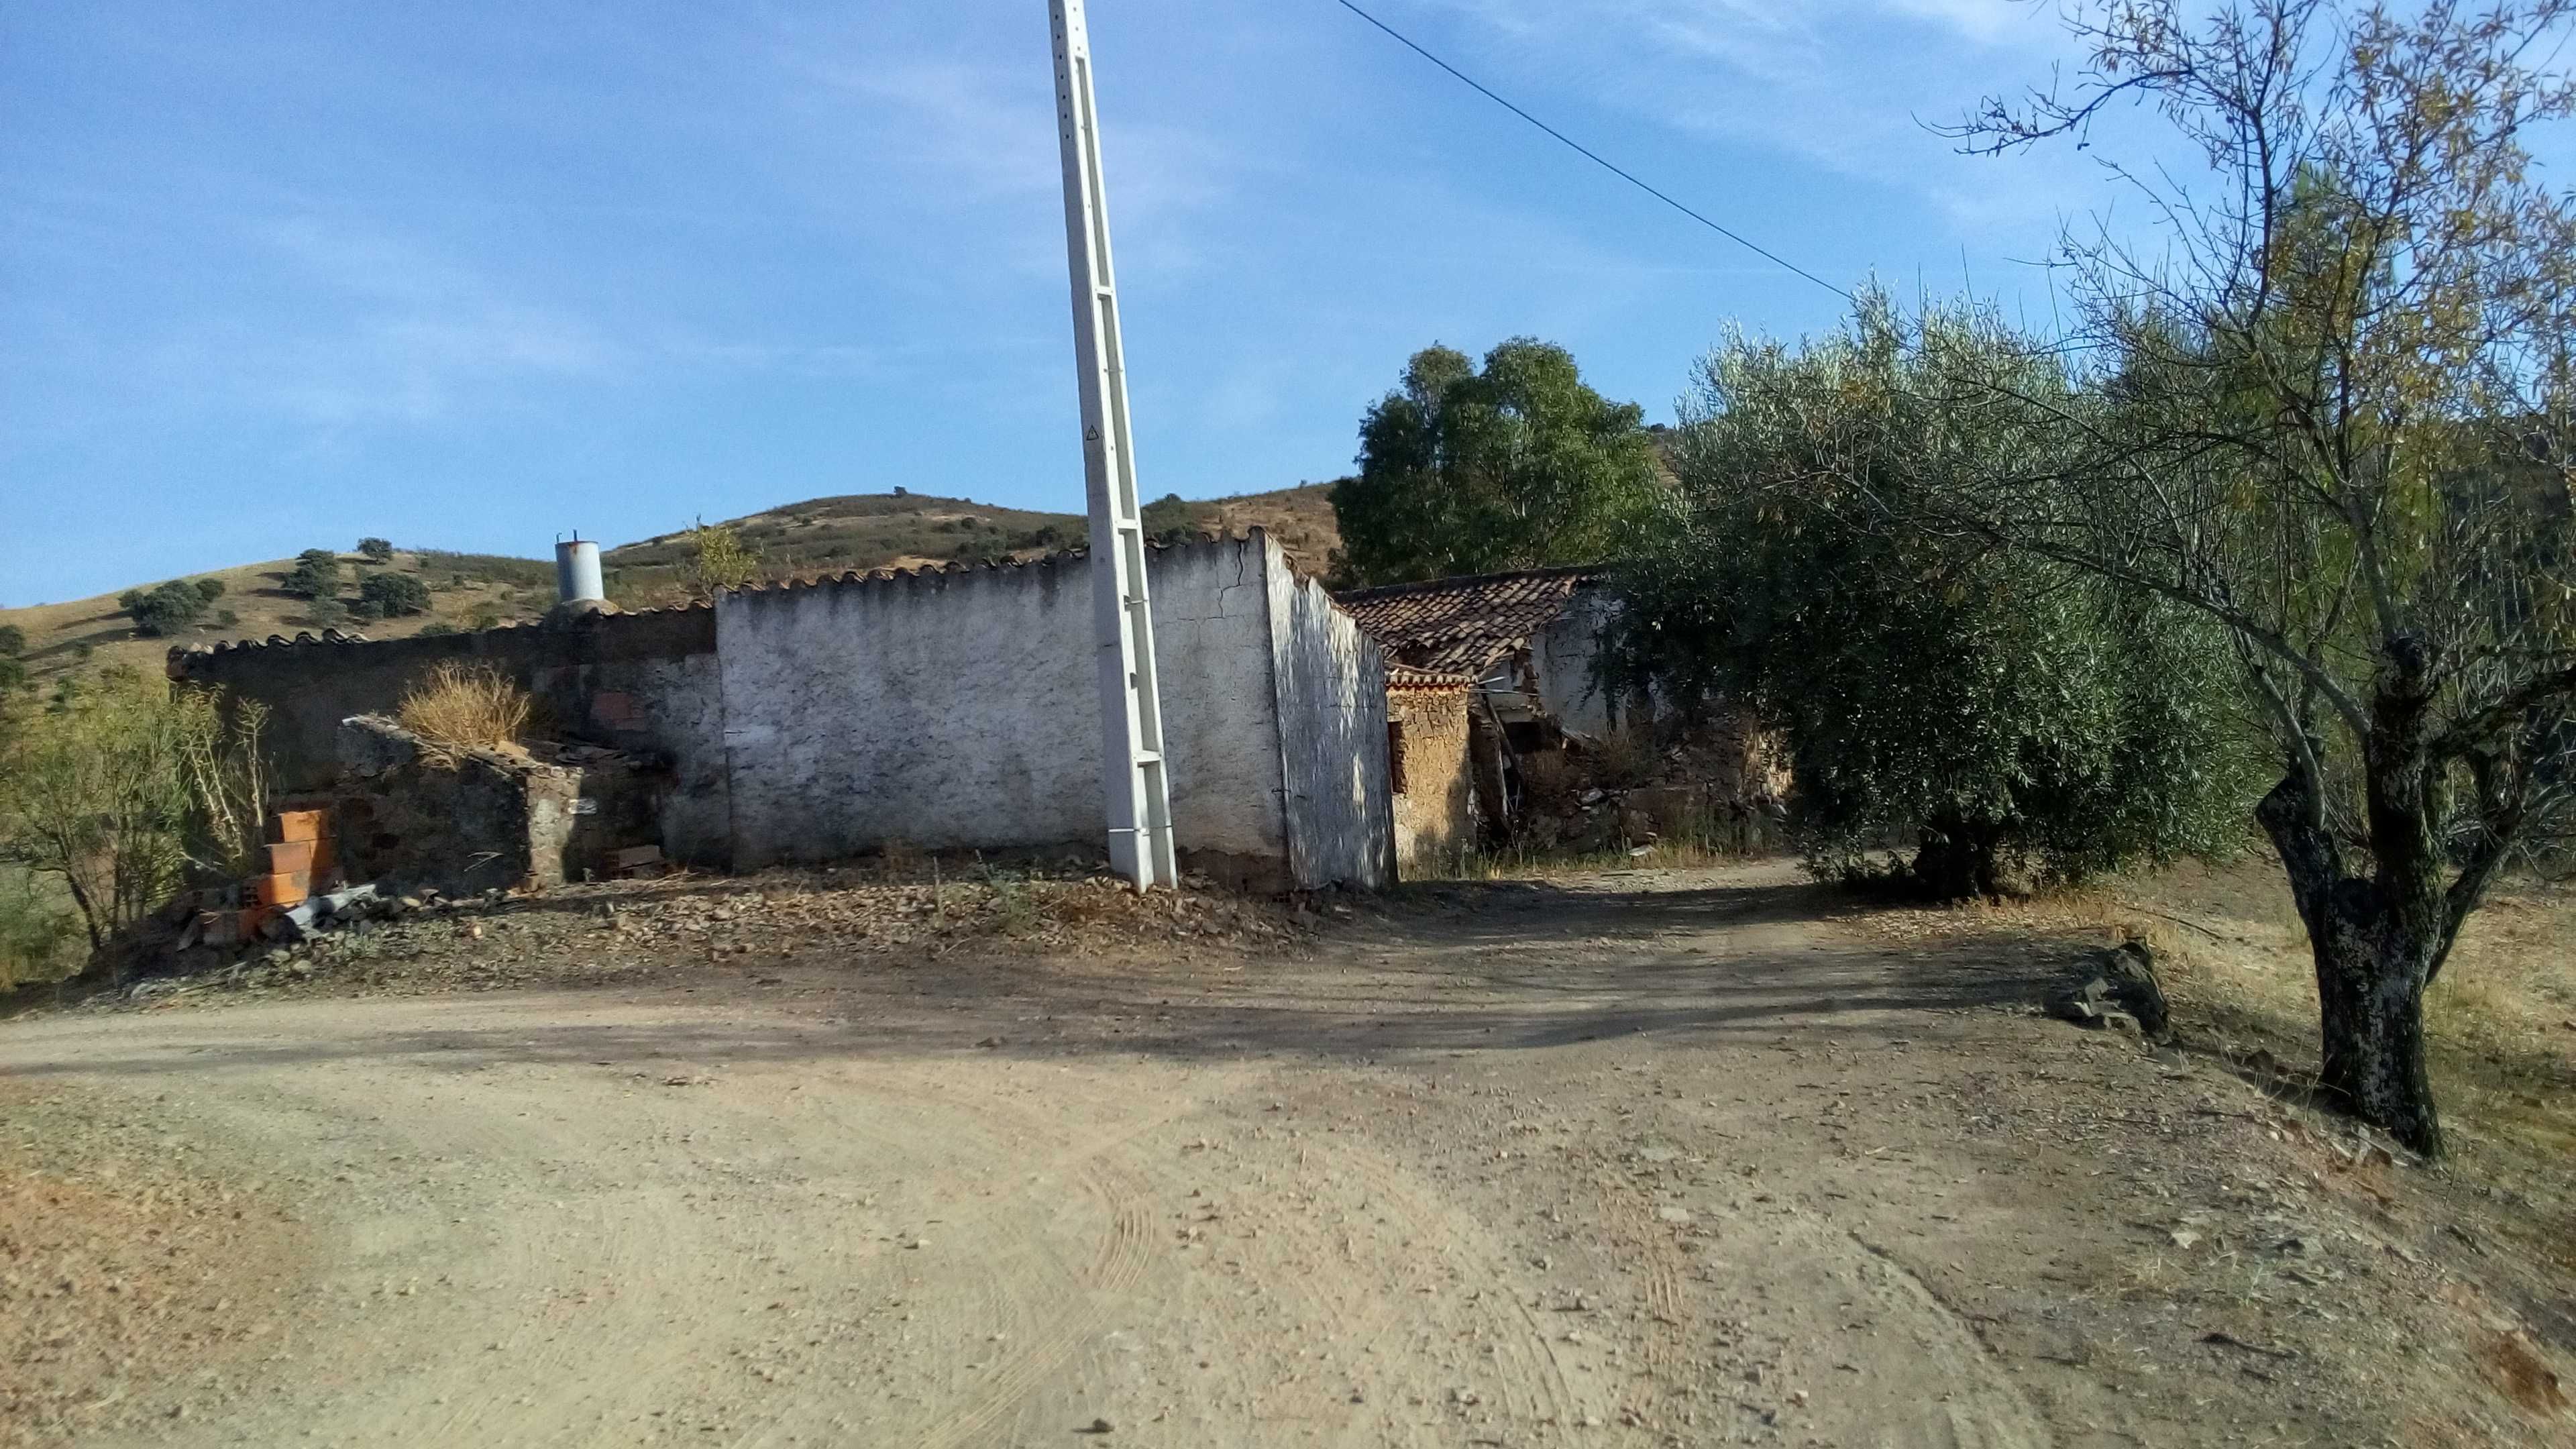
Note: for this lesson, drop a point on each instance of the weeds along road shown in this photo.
(1666, 1163)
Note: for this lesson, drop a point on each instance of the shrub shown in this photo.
(718, 559)
(392, 595)
(33, 930)
(376, 550)
(1168, 518)
(326, 611)
(165, 609)
(316, 574)
(122, 789)
(209, 589)
(437, 628)
(465, 707)
(13, 641)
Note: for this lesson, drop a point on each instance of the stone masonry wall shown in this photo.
(1435, 814)
(643, 683)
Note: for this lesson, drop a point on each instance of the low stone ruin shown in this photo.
(412, 816)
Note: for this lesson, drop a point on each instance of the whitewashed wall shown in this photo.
(1332, 719)
(1561, 655)
(961, 710)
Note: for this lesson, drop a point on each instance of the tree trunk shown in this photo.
(2373, 954)
(1954, 861)
(2370, 995)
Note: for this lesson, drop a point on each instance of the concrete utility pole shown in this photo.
(1131, 707)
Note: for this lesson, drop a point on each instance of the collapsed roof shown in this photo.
(1462, 627)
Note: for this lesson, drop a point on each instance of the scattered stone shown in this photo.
(1678, 1216)
(2120, 993)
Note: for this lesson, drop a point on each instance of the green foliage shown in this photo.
(121, 788)
(209, 589)
(1462, 471)
(436, 628)
(1169, 519)
(326, 611)
(35, 929)
(376, 550)
(164, 609)
(391, 595)
(13, 675)
(461, 569)
(316, 574)
(1993, 712)
(718, 559)
(13, 641)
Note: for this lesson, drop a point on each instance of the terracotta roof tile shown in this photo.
(1405, 676)
(1462, 626)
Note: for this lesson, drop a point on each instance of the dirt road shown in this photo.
(1663, 1161)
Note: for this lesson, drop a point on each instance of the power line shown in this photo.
(1597, 158)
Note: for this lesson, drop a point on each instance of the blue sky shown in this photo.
(274, 276)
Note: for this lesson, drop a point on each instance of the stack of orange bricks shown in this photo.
(300, 862)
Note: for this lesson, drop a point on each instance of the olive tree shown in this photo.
(1516, 465)
(2337, 391)
(1987, 715)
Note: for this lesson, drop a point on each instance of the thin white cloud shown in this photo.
(1850, 85)
(977, 137)
(404, 332)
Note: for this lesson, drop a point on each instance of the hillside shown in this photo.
(818, 536)
(466, 591)
(913, 530)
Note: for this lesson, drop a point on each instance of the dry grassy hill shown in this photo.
(822, 535)
(913, 530)
(466, 591)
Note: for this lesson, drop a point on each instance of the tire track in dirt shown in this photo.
(1115, 1271)
(1545, 1394)
(1663, 1330)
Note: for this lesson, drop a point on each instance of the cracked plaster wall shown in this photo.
(1332, 720)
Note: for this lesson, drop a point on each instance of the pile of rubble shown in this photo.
(1717, 786)
(358, 938)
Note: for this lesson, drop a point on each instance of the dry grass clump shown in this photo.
(463, 707)
(2500, 1021)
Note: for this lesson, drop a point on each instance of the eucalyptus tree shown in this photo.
(1519, 464)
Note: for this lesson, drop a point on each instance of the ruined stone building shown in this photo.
(1487, 673)
(943, 709)
(1498, 730)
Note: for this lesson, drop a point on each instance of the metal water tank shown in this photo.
(577, 571)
